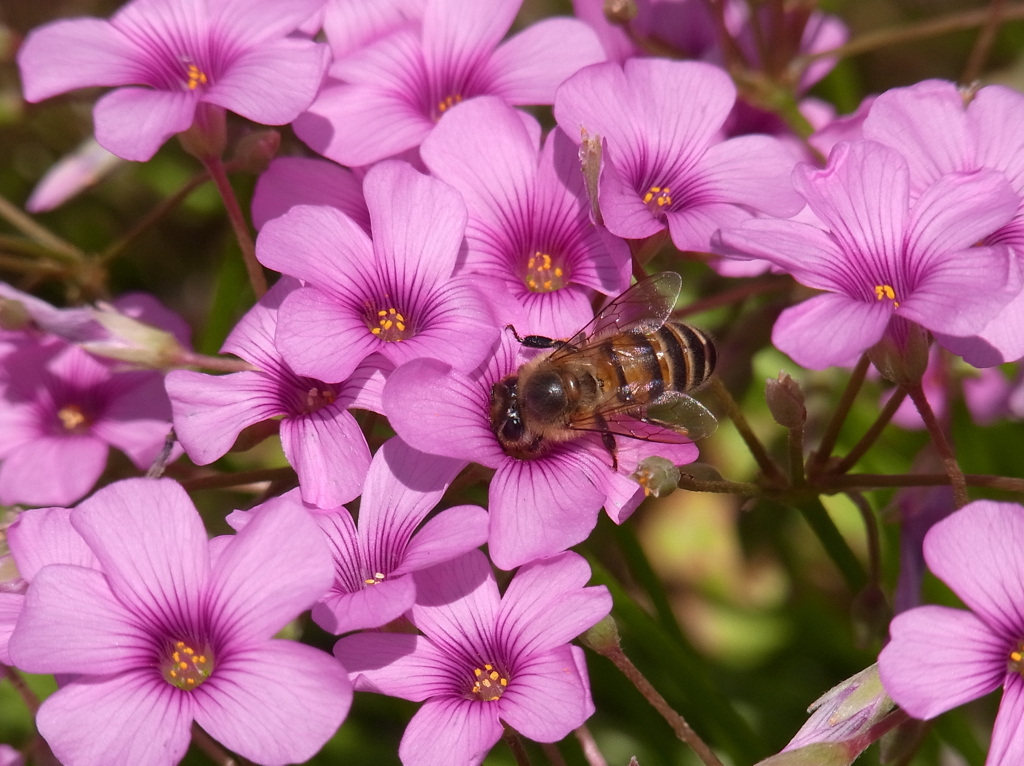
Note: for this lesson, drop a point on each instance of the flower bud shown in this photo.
(620, 11)
(591, 151)
(14, 315)
(786, 401)
(901, 356)
(71, 174)
(207, 137)
(603, 637)
(130, 340)
(818, 754)
(658, 476)
(254, 152)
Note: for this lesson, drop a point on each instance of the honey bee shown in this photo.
(627, 373)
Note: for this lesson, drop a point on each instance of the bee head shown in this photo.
(544, 396)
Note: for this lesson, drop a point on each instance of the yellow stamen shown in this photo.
(448, 102)
(885, 292)
(543, 274)
(658, 197)
(187, 669)
(391, 326)
(489, 685)
(72, 418)
(196, 77)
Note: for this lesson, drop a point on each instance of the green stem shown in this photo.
(152, 217)
(881, 38)
(949, 462)
(641, 569)
(238, 479)
(677, 722)
(56, 246)
(212, 748)
(27, 695)
(554, 755)
(835, 544)
(869, 437)
(215, 167)
(878, 481)
(589, 746)
(768, 466)
(735, 295)
(871, 531)
(515, 744)
(828, 440)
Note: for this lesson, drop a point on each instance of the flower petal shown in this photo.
(45, 536)
(10, 610)
(27, 475)
(291, 181)
(329, 452)
(370, 607)
(1007, 747)
(456, 603)
(830, 330)
(275, 568)
(132, 717)
(150, 570)
(399, 665)
(134, 122)
(549, 695)
(939, 658)
(311, 696)
(974, 552)
(449, 534)
(450, 730)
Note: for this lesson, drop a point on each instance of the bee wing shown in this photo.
(645, 307)
(673, 418)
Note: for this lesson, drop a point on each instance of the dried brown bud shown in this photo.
(591, 150)
(620, 11)
(786, 401)
(254, 152)
(603, 637)
(658, 476)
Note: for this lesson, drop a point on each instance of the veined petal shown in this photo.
(291, 181)
(437, 409)
(10, 611)
(311, 696)
(210, 411)
(458, 33)
(450, 730)
(70, 601)
(939, 658)
(276, 567)
(149, 570)
(134, 122)
(132, 717)
(45, 536)
(449, 534)
(329, 452)
(370, 607)
(273, 83)
(755, 171)
(549, 695)
(456, 604)
(1007, 747)
(546, 604)
(76, 53)
(991, 583)
(543, 506)
(862, 196)
(418, 223)
(27, 475)
(529, 67)
(255, 21)
(399, 665)
(993, 109)
(830, 330)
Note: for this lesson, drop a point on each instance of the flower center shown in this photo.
(543, 274)
(194, 77)
(488, 683)
(1015, 662)
(319, 397)
(447, 103)
(391, 326)
(184, 667)
(885, 292)
(73, 419)
(377, 579)
(657, 198)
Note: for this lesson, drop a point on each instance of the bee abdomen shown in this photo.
(688, 355)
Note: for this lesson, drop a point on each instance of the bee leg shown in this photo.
(535, 341)
(609, 444)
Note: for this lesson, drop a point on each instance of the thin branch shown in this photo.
(57, 246)
(238, 479)
(942, 444)
(215, 167)
(589, 745)
(869, 437)
(983, 45)
(735, 295)
(828, 440)
(515, 744)
(764, 461)
(27, 695)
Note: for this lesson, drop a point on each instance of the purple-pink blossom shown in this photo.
(939, 658)
(485, 658)
(393, 295)
(386, 98)
(169, 630)
(883, 257)
(174, 63)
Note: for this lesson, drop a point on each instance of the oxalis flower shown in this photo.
(485, 658)
(172, 629)
(885, 261)
(319, 436)
(224, 54)
(537, 506)
(529, 218)
(938, 657)
(393, 295)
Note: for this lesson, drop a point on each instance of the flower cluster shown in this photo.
(446, 272)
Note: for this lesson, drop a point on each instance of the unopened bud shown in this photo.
(14, 315)
(818, 754)
(786, 401)
(603, 637)
(73, 173)
(845, 712)
(207, 136)
(133, 341)
(871, 614)
(254, 152)
(901, 356)
(620, 11)
(658, 476)
(591, 151)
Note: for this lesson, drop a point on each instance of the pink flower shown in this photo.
(385, 98)
(222, 54)
(485, 658)
(939, 658)
(169, 631)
